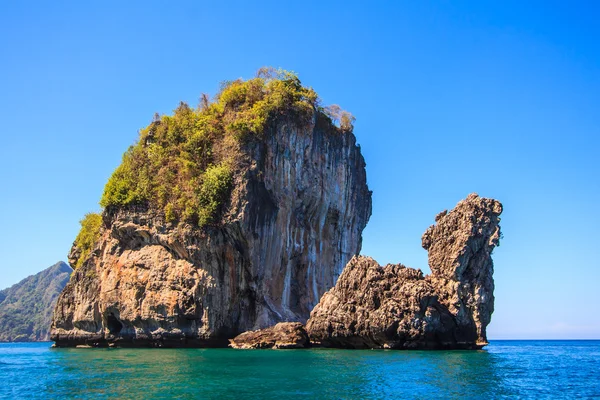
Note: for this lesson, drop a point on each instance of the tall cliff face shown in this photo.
(397, 307)
(26, 307)
(295, 216)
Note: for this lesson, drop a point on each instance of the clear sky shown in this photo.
(450, 98)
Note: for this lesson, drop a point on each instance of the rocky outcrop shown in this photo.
(26, 307)
(460, 247)
(397, 307)
(295, 218)
(284, 335)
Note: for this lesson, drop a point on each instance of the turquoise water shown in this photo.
(526, 369)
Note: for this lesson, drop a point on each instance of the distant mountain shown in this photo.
(26, 308)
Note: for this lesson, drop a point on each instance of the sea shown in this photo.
(504, 369)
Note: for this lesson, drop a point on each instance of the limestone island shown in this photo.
(239, 223)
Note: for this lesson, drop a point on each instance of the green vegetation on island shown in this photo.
(26, 308)
(184, 164)
(89, 233)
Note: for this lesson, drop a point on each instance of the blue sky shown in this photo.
(450, 98)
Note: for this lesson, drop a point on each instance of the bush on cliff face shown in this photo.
(89, 233)
(215, 187)
(183, 164)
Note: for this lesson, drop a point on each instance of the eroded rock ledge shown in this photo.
(284, 335)
(397, 307)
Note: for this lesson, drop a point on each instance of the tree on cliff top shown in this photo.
(183, 164)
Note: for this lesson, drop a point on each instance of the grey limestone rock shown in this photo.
(284, 335)
(295, 218)
(397, 307)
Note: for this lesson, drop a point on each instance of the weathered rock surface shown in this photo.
(397, 307)
(284, 335)
(295, 218)
(460, 247)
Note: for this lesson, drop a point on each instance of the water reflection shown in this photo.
(505, 369)
(314, 373)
